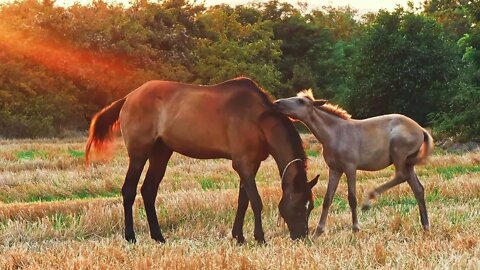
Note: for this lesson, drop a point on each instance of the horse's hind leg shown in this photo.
(156, 170)
(418, 191)
(129, 191)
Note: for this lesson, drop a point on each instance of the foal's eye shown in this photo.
(301, 101)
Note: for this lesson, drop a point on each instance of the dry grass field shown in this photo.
(56, 214)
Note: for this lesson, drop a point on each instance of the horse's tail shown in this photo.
(102, 128)
(425, 149)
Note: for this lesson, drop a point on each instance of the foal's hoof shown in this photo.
(426, 228)
(356, 228)
(366, 207)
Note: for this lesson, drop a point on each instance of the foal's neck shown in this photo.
(323, 125)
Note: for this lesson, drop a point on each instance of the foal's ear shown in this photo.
(319, 102)
(314, 181)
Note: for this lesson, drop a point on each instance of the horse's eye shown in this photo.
(301, 101)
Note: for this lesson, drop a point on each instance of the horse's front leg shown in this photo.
(247, 171)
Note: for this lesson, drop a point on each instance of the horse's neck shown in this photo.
(282, 148)
(324, 125)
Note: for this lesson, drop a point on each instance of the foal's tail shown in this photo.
(424, 151)
(102, 128)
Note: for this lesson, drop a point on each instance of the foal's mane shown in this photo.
(327, 107)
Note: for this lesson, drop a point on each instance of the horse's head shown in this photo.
(299, 107)
(296, 205)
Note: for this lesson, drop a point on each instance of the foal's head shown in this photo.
(300, 106)
(296, 205)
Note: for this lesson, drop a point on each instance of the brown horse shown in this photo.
(235, 120)
(370, 144)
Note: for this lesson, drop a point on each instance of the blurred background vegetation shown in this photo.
(59, 65)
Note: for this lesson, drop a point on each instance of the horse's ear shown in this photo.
(319, 102)
(314, 181)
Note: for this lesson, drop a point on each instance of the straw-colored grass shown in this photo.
(56, 214)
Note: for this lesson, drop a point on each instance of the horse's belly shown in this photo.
(202, 143)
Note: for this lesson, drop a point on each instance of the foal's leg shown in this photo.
(156, 170)
(237, 231)
(352, 197)
(247, 170)
(418, 191)
(401, 175)
(129, 191)
(333, 179)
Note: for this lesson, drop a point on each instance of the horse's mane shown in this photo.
(251, 84)
(292, 132)
(267, 98)
(327, 107)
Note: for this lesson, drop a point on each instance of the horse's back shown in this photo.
(197, 121)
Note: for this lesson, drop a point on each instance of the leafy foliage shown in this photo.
(59, 65)
(461, 112)
(405, 65)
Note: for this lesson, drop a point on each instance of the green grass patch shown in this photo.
(452, 171)
(80, 194)
(434, 196)
(76, 154)
(404, 205)
(61, 221)
(209, 184)
(338, 204)
(30, 154)
(85, 194)
(311, 153)
(457, 217)
(317, 202)
(385, 201)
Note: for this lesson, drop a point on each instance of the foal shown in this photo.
(370, 144)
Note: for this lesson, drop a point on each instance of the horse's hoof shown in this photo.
(159, 239)
(261, 241)
(318, 232)
(130, 239)
(426, 228)
(355, 228)
(240, 239)
(366, 207)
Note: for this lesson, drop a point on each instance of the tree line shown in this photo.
(59, 65)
